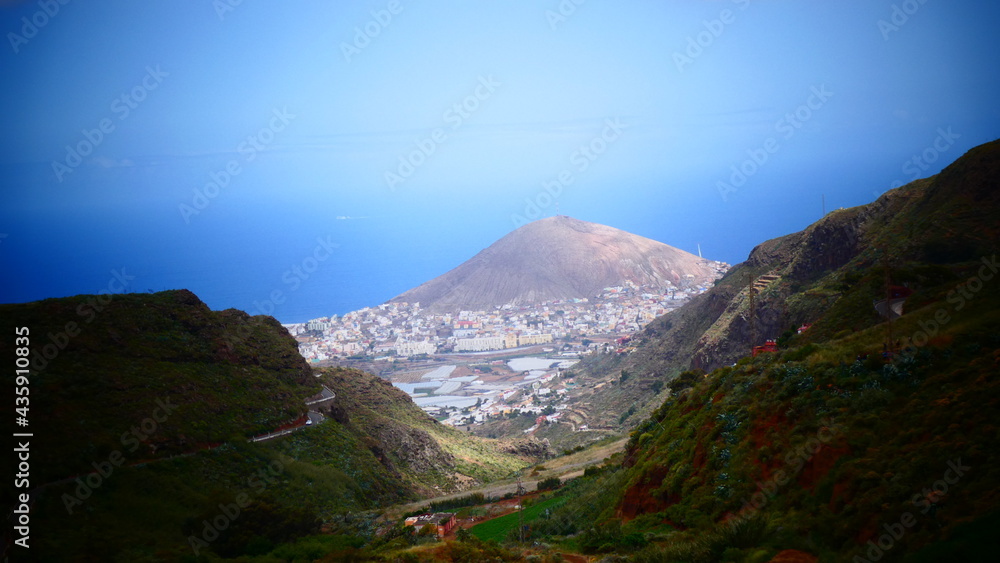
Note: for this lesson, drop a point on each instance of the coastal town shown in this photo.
(469, 367)
(401, 330)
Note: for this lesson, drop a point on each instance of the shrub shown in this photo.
(626, 414)
(608, 538)
(742, 533)
(800, 354)
(549, 484)
(644, 439)
(685, 380)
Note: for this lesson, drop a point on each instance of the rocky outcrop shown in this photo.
(530, 447)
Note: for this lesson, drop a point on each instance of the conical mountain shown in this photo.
(558, 258)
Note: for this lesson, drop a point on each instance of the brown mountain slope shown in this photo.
(558, 258)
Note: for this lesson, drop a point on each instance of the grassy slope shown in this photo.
(700, 456)
(896, 427)
(925, 224)
(432, 457)
(230, 376)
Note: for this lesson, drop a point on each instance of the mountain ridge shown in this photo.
(836, 444)
(818, 272)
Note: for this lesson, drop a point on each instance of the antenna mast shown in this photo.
(520, 509)
(890, 346)
(753, 313)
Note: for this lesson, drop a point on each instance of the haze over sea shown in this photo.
(375, 145)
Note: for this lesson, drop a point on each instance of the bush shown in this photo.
(609, 538)
(692, 551)
(685, 380)
(742, 533)
(644, 439)
(800, 354)
(626, 414)
(549, 484)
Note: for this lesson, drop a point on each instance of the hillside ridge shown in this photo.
(142, 411)
(938, 220)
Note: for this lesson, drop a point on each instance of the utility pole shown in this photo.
(890, 346)
(753, 314)
(520, 510)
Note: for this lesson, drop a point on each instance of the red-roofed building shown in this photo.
(443, 522)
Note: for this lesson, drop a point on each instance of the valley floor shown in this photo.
(565, 467)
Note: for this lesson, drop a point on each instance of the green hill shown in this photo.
(230, 376)
(834, 265)
(141, 410)
(834, 441)
(433, 458)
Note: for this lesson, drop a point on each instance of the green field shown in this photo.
(498, 528)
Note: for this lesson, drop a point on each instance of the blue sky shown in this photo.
(310, 158)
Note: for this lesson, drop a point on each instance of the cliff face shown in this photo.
(946, 219)
(778, 270)
(557, 258)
